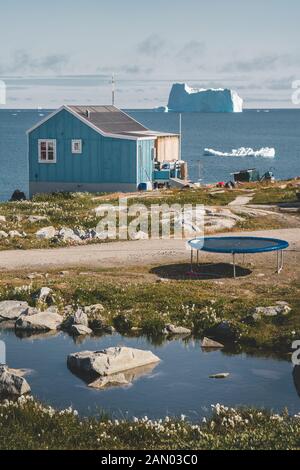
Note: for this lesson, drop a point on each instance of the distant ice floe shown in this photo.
(265, 152)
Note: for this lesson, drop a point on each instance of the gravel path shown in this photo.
(128, 253)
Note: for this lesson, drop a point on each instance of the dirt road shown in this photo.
(142, 252)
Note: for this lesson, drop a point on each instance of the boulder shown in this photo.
(3, 234)
(80, 330)
(16, 234)
(36, 218)
(41, 321)
(82, 234)
(208, 343)
(67, 234)
(78, 318)
(223, 331)
(92, 309)
(177, 330)
(281, 308)
(110, 361)
(12, 309)
(46, 233)
(12, 382)
(2, 219)
(140, 235)
(18, 196)
(45, 294)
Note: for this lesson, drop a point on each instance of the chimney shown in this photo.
(88, 113)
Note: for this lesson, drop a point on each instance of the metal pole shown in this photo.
(280, 261)
(180, 136)
(113, 90)
(234, 267)
(192, 260)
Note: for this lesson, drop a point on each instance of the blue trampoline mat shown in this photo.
(235, 245)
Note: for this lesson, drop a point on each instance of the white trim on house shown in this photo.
(74, 149)
(90, 124)
(47, 141)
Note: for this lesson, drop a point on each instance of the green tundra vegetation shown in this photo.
(138, 301)
(26, 424)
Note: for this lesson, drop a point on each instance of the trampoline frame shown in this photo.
(281, 246)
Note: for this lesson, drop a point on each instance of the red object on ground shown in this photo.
(221, 184)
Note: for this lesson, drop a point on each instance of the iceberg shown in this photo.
(186, 99)
(265, 152)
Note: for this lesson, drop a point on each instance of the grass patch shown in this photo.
(28, 425)
(279, 193)
(135, 300)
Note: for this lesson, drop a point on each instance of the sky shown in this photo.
(65, 51)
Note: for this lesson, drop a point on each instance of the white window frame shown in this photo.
(74, 142)
(47, 141)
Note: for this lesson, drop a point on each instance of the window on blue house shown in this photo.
(47, 151)
(77, 146)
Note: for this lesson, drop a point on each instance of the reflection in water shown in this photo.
(122, 379)
(179, 384)
(296, 377)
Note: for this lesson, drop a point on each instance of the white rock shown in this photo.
(13, 309)
(67, 234)
(44, 294)
(3, 234)
(90, 309)
(11, 383)
(208, 343)
(186, 99)
(281, 308)
(177, 330)
(110, 361)
(15, 234)
(36, 218)
(80, 330)
(46, 233)
(140, 236)
(2, 218)
(42, 321)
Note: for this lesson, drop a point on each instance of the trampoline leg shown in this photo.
(234, 266)
(279, 261)
(192, 260)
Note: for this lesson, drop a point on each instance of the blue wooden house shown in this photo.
(95, 149)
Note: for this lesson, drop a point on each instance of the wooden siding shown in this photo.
(103, 159)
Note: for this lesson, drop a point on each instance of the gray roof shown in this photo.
(112, 120)
(108, 121)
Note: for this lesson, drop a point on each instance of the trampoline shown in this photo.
(238, 245)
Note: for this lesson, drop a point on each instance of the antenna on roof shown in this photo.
(113, 89)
